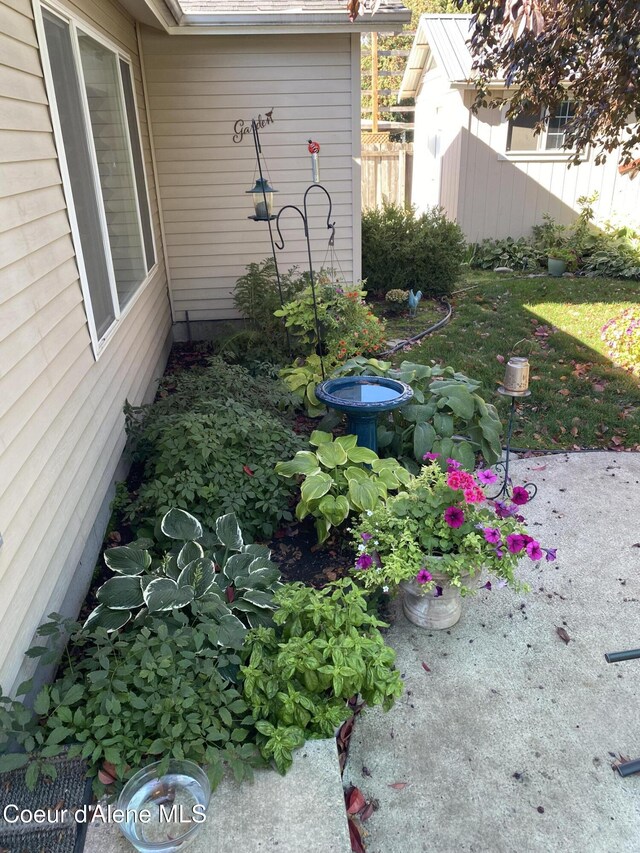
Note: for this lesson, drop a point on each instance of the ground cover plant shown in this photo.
(579, 397)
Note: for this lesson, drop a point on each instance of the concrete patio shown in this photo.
(507, 743)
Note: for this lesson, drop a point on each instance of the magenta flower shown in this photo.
(364, 561)
(534, 550)
(515, 543)
(486, 477)
(502, 510)
(366, 536)
(454, 516)
(520, 495)
(499, 553)
(438, 592)
(453, 464)
(487, 585)
(431, 456)
(424, 576)
(474, 495)
(551, 554)
(492, 535)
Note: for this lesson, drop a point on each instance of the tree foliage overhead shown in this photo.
(543, 48)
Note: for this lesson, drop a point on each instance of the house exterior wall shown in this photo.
(199, 87)
(492, 193)
(61, 421)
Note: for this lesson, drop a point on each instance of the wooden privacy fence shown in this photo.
(386, 173)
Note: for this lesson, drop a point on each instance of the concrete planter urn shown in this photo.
(426, 610)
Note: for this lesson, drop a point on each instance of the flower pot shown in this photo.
(424, 609)
(556, 267)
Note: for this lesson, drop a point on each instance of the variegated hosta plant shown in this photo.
(340, 477)
(217, 579)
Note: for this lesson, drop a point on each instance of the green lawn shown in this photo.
(579, 398)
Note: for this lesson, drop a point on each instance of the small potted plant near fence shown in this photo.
(560, 260)
(435, 538)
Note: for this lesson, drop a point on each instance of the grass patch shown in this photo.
(579, 398)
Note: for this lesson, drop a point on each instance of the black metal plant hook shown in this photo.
(507, 487)
(304, 215)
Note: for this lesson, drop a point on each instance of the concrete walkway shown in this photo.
(507, 744)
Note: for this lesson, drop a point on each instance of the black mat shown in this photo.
(62, 834)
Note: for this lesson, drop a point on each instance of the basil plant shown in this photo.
(218, 579)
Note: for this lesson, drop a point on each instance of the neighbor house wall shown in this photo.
(61, 421)
(199, 86)
(503, 195)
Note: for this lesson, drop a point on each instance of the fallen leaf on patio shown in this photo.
(398, 786)
(368, 811)
(636, 545)
(539, 468)
(356, 801)
(564, 392)
(425, 667)
(355, 838)
(365, 771)
(563, 635)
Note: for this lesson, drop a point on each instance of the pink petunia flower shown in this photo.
(492, 535)
(453, 464)
(454, 516)
(487, 585)
(520, 495)
(534, 550)
(364, 561)
(474, 495)
(486, 477)
(460, 480)
(515, 543)
(551, 554)
(366, 536)
(424, 576)
(430, 456)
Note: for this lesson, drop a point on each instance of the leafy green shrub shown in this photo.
(622, 336)
(517, 254)
(340, 477)
(403, 251)
(303, 377)
(227, 585)
(347, 325)
(616, 254)
(213, 462)
(447, 415)
(127, 698)
(325, 649)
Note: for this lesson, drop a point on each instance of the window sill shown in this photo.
(536, 156)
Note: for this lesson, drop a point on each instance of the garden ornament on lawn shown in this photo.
(414, 299)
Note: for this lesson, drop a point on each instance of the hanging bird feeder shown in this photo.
(262, 200)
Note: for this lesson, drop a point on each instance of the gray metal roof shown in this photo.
(302, 8)
(444, 38)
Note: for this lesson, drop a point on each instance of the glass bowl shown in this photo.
(164, 811)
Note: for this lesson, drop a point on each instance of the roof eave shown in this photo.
(235, 23)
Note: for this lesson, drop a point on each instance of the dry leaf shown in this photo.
(425, 667)
(539, 468)
(500, 359)
(367, 812)
(564, 392)
(247, 470)
(356, 801)
(563, 635)
(574, 431)
(398, 786)
(356, 839)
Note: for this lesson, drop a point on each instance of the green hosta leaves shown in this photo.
(331, 454)
(263, 600)
(178, 524)
(347, 441)
(335, 509)
(229, 533)
(361, 454)
(443, 424)
(165, 594)
(316, 486)
(127, 560)
(121, 593)
(190, 551)
(199, 575)
(364, 495)
(238, 565)
(460, 401)
(231, 632)
(424, 436)
(304, 462)
(465, 454)
(319, 437)
(110, 620)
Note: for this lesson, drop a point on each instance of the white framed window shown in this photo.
(521, 138)
(90, 87)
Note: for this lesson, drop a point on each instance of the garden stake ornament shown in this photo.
(314, 150)
(516, 384)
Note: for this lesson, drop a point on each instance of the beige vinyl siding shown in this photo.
(198, 87)
(61, 421)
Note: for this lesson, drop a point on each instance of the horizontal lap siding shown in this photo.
(198, 87)
(61, 422)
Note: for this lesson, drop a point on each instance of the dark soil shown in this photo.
(296, 551)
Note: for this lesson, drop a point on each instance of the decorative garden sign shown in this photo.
(242, 127)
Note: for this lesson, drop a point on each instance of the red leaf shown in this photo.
(368, 811)
(230, 594)
(247, 470)
(563, 635)
(398, 786)
(500, 359)
(356, 801)
(356, 839)
(425, 667)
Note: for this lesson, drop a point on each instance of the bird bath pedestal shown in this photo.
(362, 398)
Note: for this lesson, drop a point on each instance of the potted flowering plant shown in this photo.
(434, 538)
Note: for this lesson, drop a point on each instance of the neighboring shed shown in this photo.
(121, 188)
(493, 175)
